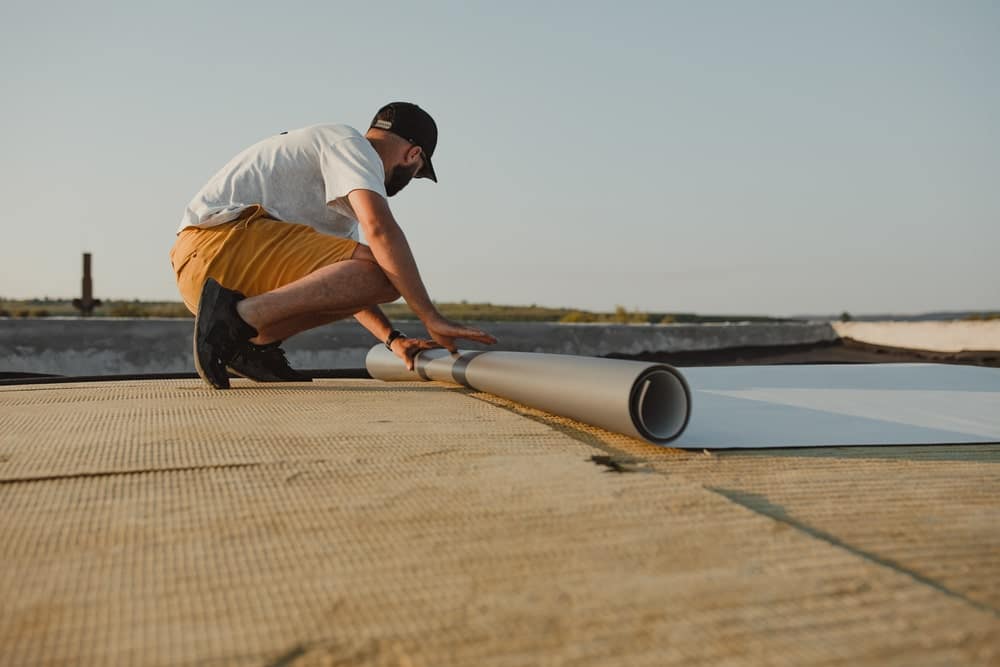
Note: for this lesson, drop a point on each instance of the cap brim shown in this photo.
(428, 170)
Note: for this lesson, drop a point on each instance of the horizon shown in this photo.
(803, 316)
(660, 156)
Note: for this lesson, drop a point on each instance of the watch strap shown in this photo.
(393, 335)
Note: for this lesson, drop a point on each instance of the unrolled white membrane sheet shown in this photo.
(727, 407)
(830, 405)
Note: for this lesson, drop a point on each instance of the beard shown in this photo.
(399, 178)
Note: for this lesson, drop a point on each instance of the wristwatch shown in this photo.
(393, 335)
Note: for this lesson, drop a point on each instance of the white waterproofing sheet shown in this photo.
(731, 407)
(644, 400)
(830, 405)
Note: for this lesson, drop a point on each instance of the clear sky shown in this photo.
(714, 157)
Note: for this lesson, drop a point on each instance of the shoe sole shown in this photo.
(202, 354)
(248, 377)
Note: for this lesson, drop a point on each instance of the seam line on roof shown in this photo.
(580, 436)
(761, 505)
(117, 473)
(289, 657)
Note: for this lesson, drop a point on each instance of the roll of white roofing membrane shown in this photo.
(644, 400)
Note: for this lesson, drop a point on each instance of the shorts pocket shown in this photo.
(184, 251)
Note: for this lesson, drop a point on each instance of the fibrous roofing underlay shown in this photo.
(355, 522)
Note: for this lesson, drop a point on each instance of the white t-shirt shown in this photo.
(302, 176)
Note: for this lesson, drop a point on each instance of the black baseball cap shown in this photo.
(413, 124)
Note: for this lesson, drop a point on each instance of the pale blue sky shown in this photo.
(716, 157)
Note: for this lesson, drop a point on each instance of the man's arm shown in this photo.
(375, 321)
(406, 349)
(392, 252)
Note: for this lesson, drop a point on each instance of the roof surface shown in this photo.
(352, 522)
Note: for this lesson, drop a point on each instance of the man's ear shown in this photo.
(412, 153)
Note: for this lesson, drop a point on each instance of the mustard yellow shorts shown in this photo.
(252, 254)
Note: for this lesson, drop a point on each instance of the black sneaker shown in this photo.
(265, 363)
(219, 333)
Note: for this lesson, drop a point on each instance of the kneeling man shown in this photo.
(268, 247)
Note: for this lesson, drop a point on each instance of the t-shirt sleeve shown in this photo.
(350, 164)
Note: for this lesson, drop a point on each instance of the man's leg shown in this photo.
(266, 362)
(243, 333)
(226, 323)
(293, 325)
(327, 294)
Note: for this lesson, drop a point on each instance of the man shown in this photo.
(268, 247)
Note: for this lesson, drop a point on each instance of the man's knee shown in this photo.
(387, 292)
(391, 294)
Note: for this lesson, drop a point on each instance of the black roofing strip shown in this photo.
(324, 373)
(340, 373)
(461, 365)
(420, 366)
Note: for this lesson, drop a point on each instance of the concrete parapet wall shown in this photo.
(934, 336)
(70, 346)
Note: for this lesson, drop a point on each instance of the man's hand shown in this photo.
(445, 332)
(392, 252)
(407, 349)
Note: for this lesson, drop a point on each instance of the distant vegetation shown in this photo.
(109, 308)
(462, 311)
(488, 312)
